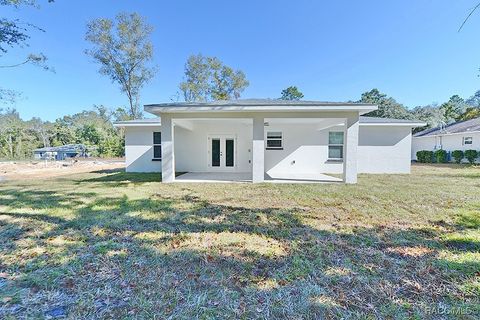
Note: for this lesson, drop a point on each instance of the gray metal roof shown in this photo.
(457, 127)
(258, 102)
(65, 148)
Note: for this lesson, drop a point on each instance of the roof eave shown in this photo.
(430, 135)
(396, 124)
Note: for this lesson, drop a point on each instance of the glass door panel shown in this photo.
(215, 152)
(229, 152)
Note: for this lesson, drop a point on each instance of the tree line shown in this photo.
(434, 115)
(94, 128)
(18, 138)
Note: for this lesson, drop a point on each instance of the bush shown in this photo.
(425, 156)
(458, 155)
(441, 156)
(471, 155)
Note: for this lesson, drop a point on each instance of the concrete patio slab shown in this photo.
(214, 177)
(229, 177)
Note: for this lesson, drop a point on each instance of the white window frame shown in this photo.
(336, 145)
(464, 142)
(275, 138)
(157, 145)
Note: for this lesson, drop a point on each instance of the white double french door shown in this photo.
(222, 152)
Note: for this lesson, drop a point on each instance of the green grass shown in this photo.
(116, 245)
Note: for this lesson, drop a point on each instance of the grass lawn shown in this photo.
(118, 245)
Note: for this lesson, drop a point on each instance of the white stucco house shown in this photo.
(462, 135)
(265, 139)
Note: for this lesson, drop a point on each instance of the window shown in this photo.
(274, 141)
(467, 140)
(157, 146)
(335, 145)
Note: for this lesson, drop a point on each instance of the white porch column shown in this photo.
(168, 155)
(258, 150)
(350, 149)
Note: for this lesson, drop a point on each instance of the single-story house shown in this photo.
(264, 139)
(61, 152)
(462, 135)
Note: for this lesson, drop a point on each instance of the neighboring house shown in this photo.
(266, 139)
(462, 135)
(61, 152)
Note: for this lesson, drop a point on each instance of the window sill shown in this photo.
(273, 148)
(334, 160)
(156, 159)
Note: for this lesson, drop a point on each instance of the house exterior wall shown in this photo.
(139, 149)
(455, 141)
(384, 149)
(424, 143)
(381, 149)
(305, 150)
(448, 142)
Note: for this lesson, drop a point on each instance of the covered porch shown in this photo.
(240, 147)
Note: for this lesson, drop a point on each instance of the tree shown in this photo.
(474, 101)
(453, 109)
(42, 129)
(62, 133)
(197, 77)
(432, 115)
(226, 83)
(207, 78)
(472, 109)
(387, 106)
(470, 113)
(39, 60)
(88, 134)
(14, 33)
(123, 49)
(291, 93)
(9, 132)
(16, 138)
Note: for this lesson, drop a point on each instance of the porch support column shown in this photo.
(350, 149)
(258, 150)
(168, 156)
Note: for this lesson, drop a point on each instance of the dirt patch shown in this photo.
(18, 170)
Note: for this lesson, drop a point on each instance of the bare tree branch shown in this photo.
(38, 60)
(468, 17)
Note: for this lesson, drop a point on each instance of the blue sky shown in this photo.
(331, 50)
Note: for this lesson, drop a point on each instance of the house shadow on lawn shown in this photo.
(185, 258)
(119, 175)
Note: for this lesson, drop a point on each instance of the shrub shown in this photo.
(457, 155)
(471, 155)
(421, 156)
(441, 156)
(425, 156)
